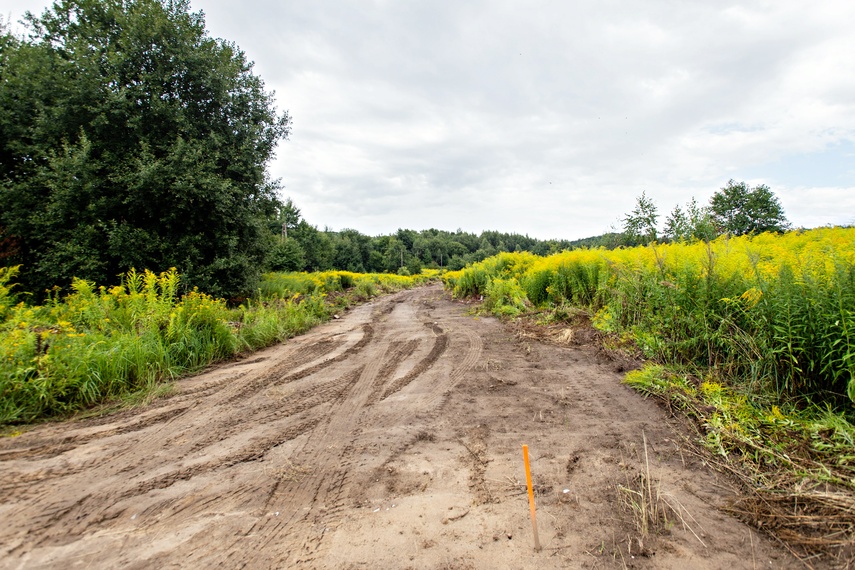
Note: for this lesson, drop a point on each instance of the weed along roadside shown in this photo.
(751, 338)
(97, 344)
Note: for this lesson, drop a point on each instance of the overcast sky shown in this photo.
(549, 118)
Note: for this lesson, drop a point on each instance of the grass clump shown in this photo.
(504, 297)
(96, 343)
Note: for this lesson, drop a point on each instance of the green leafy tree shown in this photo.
(740, 209)
(317, 246)
(352, 251)
(639, 226)
(676, 225)
(286, 218)
(131, 138)
(695, 223)
(286, 255)
(393, 254)
(701, 223)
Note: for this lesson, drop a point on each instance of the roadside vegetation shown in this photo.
(98, 344)
(775, 313)
(753, 337)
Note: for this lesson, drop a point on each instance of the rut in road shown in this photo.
(298, 409)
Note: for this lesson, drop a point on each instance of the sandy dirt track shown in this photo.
(390, 438)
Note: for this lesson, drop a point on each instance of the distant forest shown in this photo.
(736, 209)
(300, 246)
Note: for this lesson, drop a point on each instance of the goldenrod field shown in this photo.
(99, 343)
(774, 314)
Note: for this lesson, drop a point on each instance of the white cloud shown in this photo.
(800, 205)
(549, 118)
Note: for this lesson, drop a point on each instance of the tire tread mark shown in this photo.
(473, 354)
(439, 346)
(401, 350)
(59, 445)
(95, 505)
(328, 462)
(368, 333)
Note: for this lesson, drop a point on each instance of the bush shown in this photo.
(504, 297)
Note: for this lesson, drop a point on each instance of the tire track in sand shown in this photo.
(312, 500)
(316, 522)
(328, 452)
(210, 434)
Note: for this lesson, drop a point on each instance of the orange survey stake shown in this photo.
(531, 498)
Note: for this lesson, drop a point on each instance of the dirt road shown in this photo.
(390, 438)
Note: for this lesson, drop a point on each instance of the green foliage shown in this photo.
(736, 209)
(287, 285)
(573, 282)
(740, 209)
(286, 255)
(639, 226)
(773, 313)
(405, 251)
(99, 343)
(504, 297)
(114, 154)
(7, 298)
(318, 248)
(352, 251)
(814, 444)
(578, 283)
(804, 330)
(695, 223)
(287, 218)
(366, 289)
(677, 225)
(414, 266)
(536, 285)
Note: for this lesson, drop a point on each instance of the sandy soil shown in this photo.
(390, 438)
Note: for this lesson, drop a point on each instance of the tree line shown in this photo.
(296, 245)
(736, 209)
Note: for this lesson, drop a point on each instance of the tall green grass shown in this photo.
(99, 343)
(773, 313)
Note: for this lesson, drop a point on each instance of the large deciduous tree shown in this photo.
(131, 138)
(740, 209)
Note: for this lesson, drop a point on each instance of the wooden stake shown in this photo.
(531, 499)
